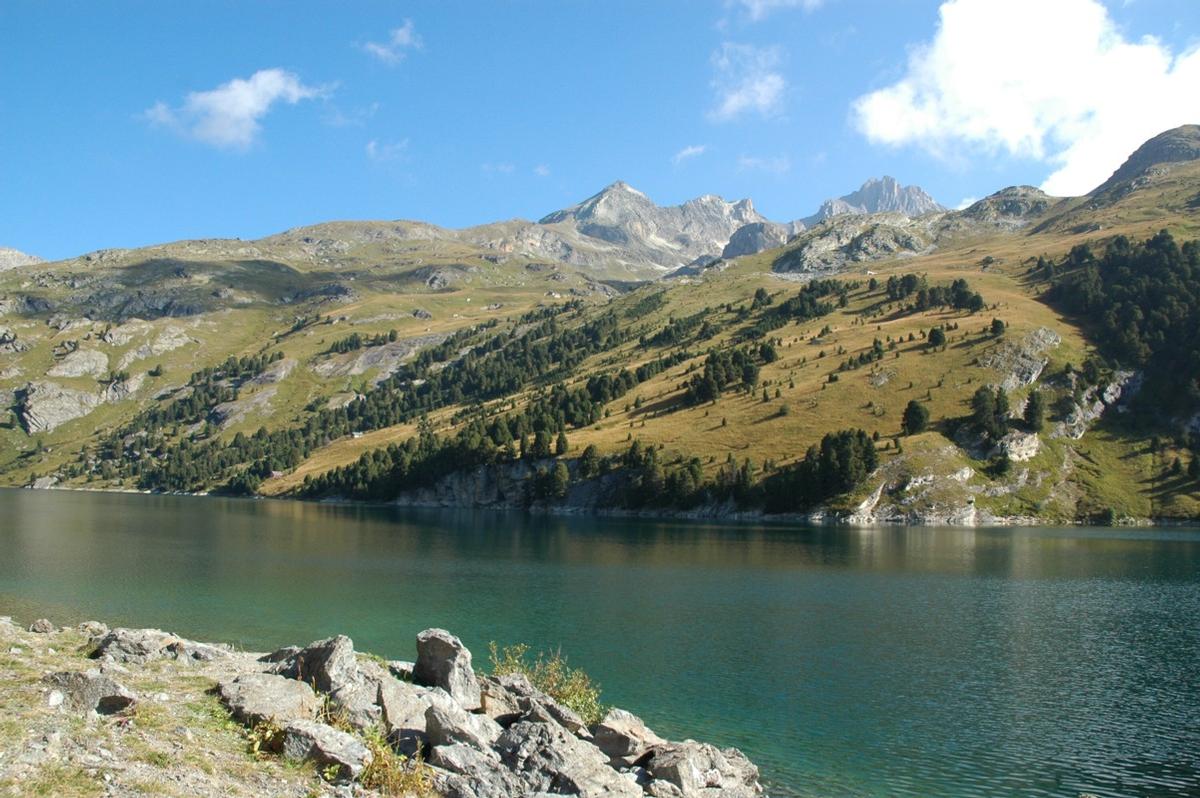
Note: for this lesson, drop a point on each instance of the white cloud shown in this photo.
(691, 151)
(965, 202)
(230, 115)
(1050, 81)
(747, 80)
(541, 170)
(400, 41)
(384, 151)
(776, 166)
(759, 9)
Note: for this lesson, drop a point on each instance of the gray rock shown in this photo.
(697, 769)
(280, 655)
(93, 629)
(527, 702)
(195, 652)
(472, 773)
(623, 736)
(755, 237)
(325, 746)
(547, 758)
(42, 626)
(133, 645)
(256, 697)
(91, 691)
(402, 669)
(498, 703)
(46, 406)
(877, 195)
(443, 661)
(403, 707)
(81, 363)
(447, 724)
(328, 665)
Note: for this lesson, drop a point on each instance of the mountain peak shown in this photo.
(878, 195)
(1177, 145)
(661, 236)
(13, 258)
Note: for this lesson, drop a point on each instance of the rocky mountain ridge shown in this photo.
(13, 258)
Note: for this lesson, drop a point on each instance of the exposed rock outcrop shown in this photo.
(877, 195)
(46, 406)
(12, 259)
(81, 363)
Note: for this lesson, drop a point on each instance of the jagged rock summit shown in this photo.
(669, 236)
(13, 258)
(877, 195)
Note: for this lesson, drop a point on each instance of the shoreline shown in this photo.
(123, 710)
(817, 518)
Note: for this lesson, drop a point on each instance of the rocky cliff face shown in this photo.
(12, 259)
(877, 195)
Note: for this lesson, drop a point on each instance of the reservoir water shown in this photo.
(884, 662)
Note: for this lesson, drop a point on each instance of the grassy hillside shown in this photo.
(161, 316)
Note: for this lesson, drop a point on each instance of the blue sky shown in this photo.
(125, 124)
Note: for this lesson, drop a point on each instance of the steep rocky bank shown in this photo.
(93, 711)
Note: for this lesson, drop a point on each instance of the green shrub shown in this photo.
(551, 674)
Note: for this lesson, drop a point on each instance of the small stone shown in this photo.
(42, 626)
(55, 698)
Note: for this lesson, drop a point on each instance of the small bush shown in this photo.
(393, 774)
(551, 674)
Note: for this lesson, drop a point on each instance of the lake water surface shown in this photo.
(889, 662)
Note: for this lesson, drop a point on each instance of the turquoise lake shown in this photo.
(884, 662)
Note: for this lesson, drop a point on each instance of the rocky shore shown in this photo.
(90, 710)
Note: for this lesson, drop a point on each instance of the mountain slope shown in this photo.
(362, 338)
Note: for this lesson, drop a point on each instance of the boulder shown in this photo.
(622, 736)
(133, 645)
(547, 758)
(89, 691)
(325, 746)
(256, 697)
(443, 661)
(403, 707)
(472, 773)
(529, 703)
(447, 724)
(93, 629)
(697, 769)
(42, 626)
(331, 667)
(328, 665)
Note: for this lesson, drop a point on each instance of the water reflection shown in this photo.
(935, 662)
